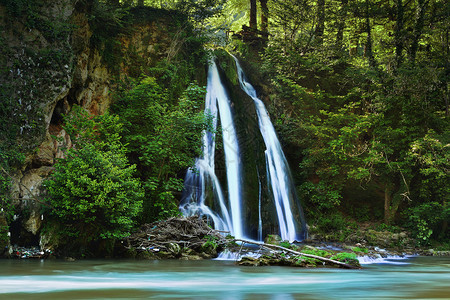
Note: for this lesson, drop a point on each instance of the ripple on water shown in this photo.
(424, 277)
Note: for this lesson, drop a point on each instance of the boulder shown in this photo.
(273, 239)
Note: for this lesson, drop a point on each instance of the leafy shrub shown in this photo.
(425, 221)
(321, 195)
(92, 190)
(331, 222)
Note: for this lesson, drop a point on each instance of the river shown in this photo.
(414, 278)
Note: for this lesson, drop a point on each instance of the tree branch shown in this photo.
(280, 248)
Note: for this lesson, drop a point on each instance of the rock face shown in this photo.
(51, 64)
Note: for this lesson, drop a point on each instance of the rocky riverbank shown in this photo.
(192, 239)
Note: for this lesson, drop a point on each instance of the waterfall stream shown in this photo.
(217, 100)
(202, 181)
(278, 172)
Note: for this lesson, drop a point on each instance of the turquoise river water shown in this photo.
(414, 278)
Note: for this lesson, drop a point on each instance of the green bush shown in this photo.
(92, 190)
(426, 221)
(163, 139)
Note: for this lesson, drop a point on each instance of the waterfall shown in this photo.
(193, 202)
(275, 207)
(278, 172)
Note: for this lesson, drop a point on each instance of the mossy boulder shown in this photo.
(146, 255)
(273, 239)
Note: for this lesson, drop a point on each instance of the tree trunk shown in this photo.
(398, 35)
(320, 28)
(264, 15)
(369, 52)
(341, 23)
(418, 27)
(354, 42)
(387, 204)
(270, 246)
(392, 201)
(253, 24)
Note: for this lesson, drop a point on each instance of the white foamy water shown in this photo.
(278, 172)
(228, 216)
(393, 260)
(236, 256)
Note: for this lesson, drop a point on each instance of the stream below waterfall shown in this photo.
(414, 278)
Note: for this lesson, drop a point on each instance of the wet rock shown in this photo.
(387, 239)
(146, 255)
(429, 252)
(249, 261)
(441, 253)
(191, 257)
(70, 259)
(165, 255)
(188, 251)
(208, 249)
(273, 239)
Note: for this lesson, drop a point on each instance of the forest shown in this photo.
(358, 91)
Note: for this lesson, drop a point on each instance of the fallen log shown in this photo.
(270, 246)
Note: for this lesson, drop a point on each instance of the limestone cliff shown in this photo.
(50, 61)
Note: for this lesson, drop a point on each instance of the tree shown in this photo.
(356, 117)
(253, 22)
(264, 16)
(92, 192)
(320, 26)
(163, 139)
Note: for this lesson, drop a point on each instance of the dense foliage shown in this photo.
(359, 90)
(163, 139)
(367, 87)
(92, 192)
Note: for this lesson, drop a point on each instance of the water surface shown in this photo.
(420, 278)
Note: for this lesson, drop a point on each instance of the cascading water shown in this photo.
(194, 199)
(278, 172)
(243, 213)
